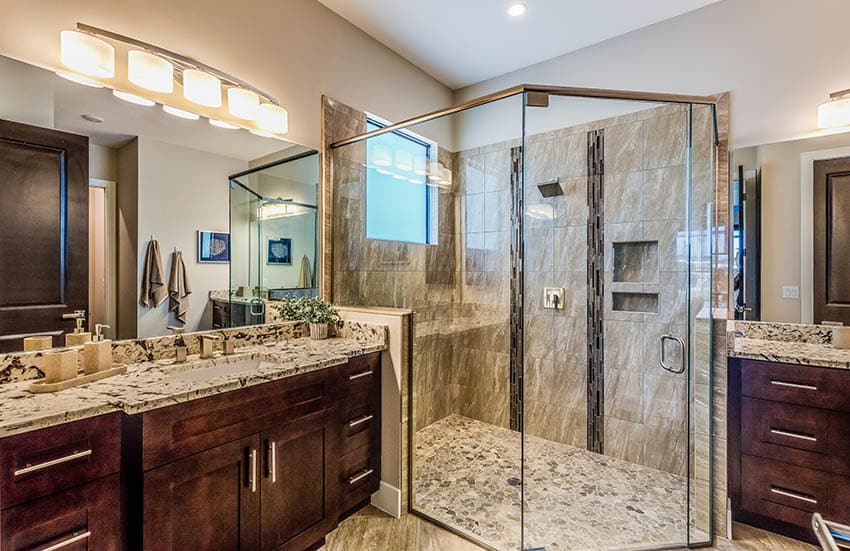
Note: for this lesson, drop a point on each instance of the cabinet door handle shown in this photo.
(359, 375)
(793, 385)
(360, 420)
(53, 462)
(65, 543)
(794, 495)
(797, 435)
(273, 461)
(252, 474)
(361, 476)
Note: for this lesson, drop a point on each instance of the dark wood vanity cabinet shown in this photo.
(789, 445)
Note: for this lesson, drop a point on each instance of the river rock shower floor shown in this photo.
(468, 477)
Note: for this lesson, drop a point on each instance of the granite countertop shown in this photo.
(803, 353)
(151, 385)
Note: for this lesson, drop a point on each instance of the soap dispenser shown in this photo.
(97, 353)
(80, 335)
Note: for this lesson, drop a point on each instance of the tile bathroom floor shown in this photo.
(467, 476)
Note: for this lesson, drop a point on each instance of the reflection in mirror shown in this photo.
(791, 205)
(90, 181)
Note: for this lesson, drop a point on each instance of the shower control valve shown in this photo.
(553, 297)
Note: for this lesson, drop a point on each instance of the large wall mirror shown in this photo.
(792, 231)
(89, 181)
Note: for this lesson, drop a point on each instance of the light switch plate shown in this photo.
(790, 292)
(553, 298)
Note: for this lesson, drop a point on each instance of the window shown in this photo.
(400, 206)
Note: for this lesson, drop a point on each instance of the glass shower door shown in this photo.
(616, 283)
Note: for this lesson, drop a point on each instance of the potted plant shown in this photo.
(312, 310)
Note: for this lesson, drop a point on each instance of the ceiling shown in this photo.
(462, 42)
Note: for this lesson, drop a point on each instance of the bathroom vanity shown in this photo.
(789, 429)
(265, 449)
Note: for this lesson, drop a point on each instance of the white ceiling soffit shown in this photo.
(462, 42)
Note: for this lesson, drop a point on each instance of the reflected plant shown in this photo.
(307, 309)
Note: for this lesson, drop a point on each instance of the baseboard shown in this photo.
(388, 499)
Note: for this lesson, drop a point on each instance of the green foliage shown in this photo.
(308, 309)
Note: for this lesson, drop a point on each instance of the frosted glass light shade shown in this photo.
(243, 104)
(382, 156)
(835, 113)
(404, 160)
(273, 118)
(79, 79)
(133, 98)
(201, 88)
(222, 124)
(149, 71)
(180, 113)
(87, 54)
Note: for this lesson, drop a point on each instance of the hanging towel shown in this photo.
(153, 280)
(178, 288)
(305, 278)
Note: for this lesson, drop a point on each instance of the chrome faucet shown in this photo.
(208, 345)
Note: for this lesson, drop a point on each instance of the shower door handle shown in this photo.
(662, 356)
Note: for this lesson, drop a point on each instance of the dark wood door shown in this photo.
(298, 491)
(210, 500)
(832, 240)
(43, 231)
(85, 517)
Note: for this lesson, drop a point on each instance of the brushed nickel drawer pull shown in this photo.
(273, 462)
(65, 543)
(359, 375)
(360, 421)
(253, 471)
(53, 462)
(361, 476)
(794, 385)
(794, 495)
(794, 435)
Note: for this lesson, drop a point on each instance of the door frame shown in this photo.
(111, 262)
(807, 233)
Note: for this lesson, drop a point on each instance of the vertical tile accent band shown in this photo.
(516, 382)
(595, 291)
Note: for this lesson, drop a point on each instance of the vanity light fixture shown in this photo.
(261, 133)
(273, 118)
(180, 113)
(515, 9)
(835, 112)
(222, 124)
(201, 88)
(133, 98)
(150, 71)
(243, 104)
(79, 80)
(87, 54)
(404, 160)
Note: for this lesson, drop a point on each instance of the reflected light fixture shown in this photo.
(222, 124)
(243, 104)
(515, 9)
(835, 112)
(382, 156)
(399, 177)
(404, 160)
(383, 171)
(87, 54)
(79, 80)
(420, 166)
(261, 133)
(273, 118)
(201, 88)
(150, 71)
(133, 98)
(180, 113)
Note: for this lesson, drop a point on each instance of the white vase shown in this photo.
(318, 331)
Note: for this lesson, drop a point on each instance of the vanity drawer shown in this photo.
(819, 387)
(359, 477)
(175, 432)
(360, 374)
(46, 461)
(810, 437)
(360, 423)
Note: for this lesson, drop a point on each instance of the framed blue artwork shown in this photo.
(280, 251)
(213, 246)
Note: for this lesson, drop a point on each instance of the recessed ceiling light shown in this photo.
(92, 118)
(517, 8)
(133, 98)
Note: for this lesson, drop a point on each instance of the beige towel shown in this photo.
(178, 288)
(153, 281)
(305, 278)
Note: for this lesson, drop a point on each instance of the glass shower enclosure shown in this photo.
(560, 387)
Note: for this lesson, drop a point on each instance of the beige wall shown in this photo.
(780, 211)
(296, 50)
(778, 57)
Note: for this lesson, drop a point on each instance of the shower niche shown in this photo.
(634, 285)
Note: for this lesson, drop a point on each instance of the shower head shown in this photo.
(551, 188)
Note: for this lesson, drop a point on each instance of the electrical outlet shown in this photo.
(790, 292)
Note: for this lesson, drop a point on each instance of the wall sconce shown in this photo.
(87, 54)
(835, 112)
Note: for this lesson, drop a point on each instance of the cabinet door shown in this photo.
(86, 517)
(206, 501)
(299, 498)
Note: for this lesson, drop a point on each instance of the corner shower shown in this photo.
(560, 385)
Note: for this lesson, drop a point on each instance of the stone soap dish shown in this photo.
(42, 387)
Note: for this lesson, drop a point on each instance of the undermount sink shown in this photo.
(221, 370)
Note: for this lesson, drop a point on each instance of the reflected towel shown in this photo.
(153, 282)
(178, 288)
(305, 278)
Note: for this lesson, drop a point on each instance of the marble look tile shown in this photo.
(570, 209)
(665, 140)
(624, 395)
(497, 210)
(570, 156)
(474, 213)
(665, 401)
(569, 248)
(624, 195)
(624, 148)
(665, 193)
(538, 250)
